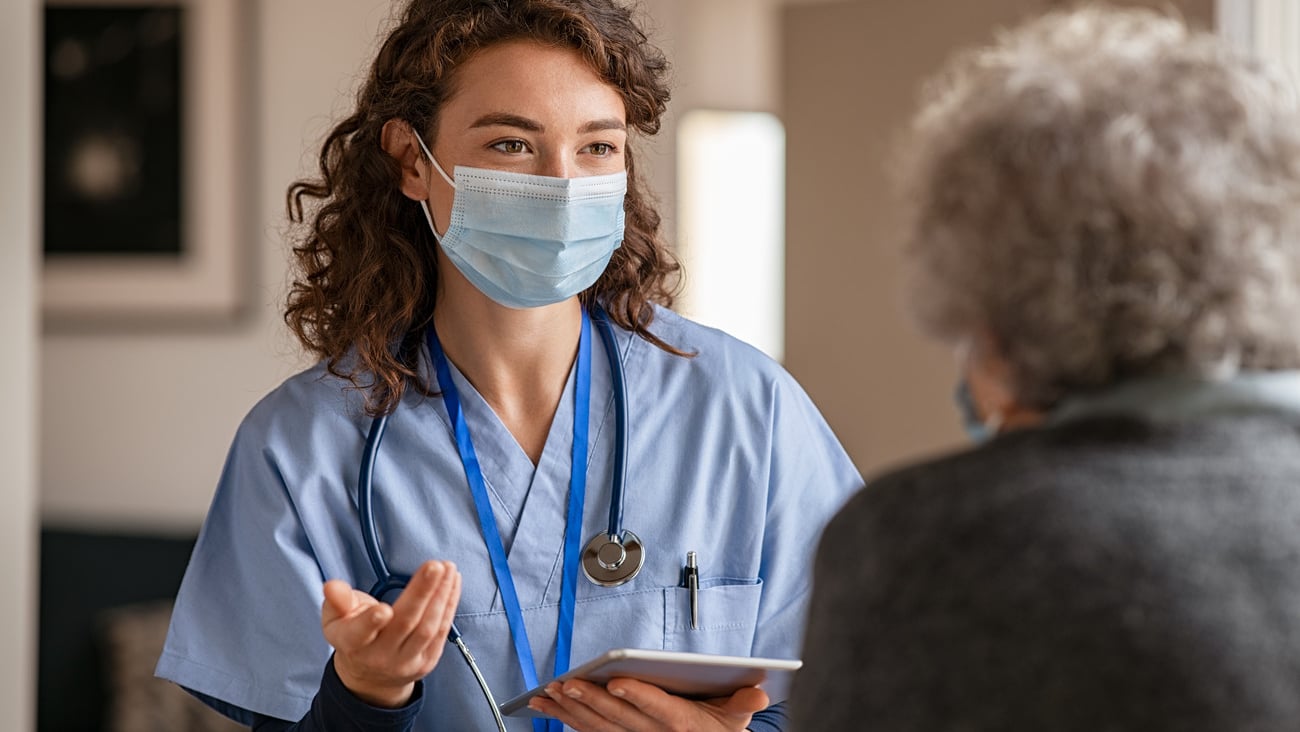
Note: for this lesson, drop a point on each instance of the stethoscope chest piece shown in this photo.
(610, 560)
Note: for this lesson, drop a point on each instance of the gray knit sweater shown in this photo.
(1109, 573)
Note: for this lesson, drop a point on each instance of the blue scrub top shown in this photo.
(727, 457)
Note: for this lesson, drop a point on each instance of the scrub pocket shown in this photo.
(728, 609)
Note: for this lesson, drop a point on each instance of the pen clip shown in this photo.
(692, 578)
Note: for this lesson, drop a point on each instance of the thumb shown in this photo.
(339, 601)
(744, 702)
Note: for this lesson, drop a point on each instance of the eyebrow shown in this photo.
(505, 119)
(600, 125)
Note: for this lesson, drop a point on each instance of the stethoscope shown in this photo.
(610, 559)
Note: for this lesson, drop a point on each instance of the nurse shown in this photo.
(477, 224)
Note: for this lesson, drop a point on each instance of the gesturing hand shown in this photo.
(381, 650)
(627, 704)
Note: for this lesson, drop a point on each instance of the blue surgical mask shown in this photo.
(976, 428)
(530, 240)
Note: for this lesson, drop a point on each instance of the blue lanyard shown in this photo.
(491, 533)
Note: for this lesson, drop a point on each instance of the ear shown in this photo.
(992, 381)
(398, 140)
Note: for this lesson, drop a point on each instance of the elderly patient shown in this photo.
(1107, 229)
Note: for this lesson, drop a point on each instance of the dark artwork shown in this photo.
(83, 574)
(113, 130)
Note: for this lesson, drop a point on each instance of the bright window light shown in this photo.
(1268, 28)
(731, 223)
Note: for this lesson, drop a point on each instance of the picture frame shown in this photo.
(203, 276)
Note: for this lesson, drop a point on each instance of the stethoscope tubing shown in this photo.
(387, 581)
(364, 492)
(620, 424)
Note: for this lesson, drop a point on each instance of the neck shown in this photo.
(1016, 417)
(518, 360)
(497, 347)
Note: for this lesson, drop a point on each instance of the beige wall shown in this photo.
(19, 119)
(136, 424)
(725, 54)
(850, 82)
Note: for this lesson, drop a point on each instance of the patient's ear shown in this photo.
(991, 378)
(398, 140)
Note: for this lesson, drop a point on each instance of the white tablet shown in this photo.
(694, 675)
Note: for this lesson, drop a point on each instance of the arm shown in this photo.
(772, 719)
(809, 478)
(265, 652)
(374, 679)
(245, 632)
(336, 708)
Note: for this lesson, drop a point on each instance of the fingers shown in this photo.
(418, 620)
(646, 704)
(449, 604)
(727, 713)
(351, 619)
(429, 633)
(409, 609)
(588, 707)
(381, 650)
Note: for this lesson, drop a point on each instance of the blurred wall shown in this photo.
(19, 182)
(725, 54)
(136, 424)
(850, 82)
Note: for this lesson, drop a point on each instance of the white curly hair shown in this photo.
(1109, 195)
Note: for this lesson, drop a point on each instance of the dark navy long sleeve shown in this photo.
(336, 709)
(772, 719)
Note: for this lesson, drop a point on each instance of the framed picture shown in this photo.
(143, 160)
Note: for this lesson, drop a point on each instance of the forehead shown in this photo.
(533, 80)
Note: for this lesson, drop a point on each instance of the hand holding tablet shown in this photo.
(691, 675)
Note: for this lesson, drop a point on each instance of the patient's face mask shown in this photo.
(530, 240)
(976, 428)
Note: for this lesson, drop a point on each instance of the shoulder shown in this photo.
(1015, 458)
(973, 488)
(302, 403)
(1064, 478)
(728, 393)
(715, 357)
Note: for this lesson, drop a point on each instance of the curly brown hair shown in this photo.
(367, 272)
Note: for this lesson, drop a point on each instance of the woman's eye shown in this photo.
(511, 147)
(601, 149)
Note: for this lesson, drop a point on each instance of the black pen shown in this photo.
(693, 589)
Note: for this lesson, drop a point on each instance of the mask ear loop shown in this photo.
(424, 204)
(993, 421)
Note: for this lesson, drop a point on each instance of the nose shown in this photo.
(558, 165)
